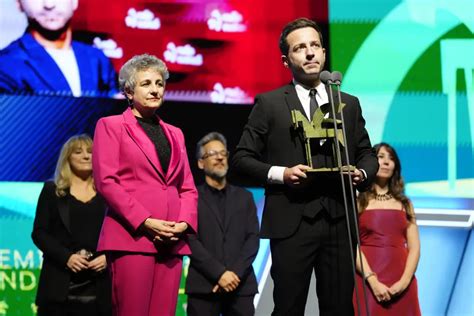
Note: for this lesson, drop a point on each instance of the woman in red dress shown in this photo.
(389, 240)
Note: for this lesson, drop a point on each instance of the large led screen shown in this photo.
(217, 51)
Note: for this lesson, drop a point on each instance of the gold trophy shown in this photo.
(318, 129)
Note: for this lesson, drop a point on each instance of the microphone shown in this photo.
(336, 77)
(325, 77)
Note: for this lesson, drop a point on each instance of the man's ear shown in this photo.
(284, 60)
(200, 164)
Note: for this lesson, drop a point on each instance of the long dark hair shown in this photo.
(396, 185)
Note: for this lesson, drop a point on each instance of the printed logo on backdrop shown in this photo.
(109, 47)
(182, 55)
(145, 20)
(220, 94)
(231, 22)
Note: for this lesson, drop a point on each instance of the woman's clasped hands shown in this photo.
(165, 231)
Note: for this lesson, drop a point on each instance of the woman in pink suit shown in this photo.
(141, 169)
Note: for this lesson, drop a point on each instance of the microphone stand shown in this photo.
(331, 80)
(337, 79)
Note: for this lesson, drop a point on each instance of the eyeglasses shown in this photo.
(214, 153)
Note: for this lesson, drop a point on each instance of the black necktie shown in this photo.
(313, 104)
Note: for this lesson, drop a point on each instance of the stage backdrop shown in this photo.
(220, 51)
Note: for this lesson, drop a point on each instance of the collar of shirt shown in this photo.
(154, 120)
(215, 191)
(303, 95)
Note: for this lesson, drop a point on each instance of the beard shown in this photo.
(216, 174)
(51, 35)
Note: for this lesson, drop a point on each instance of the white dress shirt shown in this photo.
(67, 63)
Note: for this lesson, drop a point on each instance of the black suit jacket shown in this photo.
(269, 139)
(52, 235)
(218, 246)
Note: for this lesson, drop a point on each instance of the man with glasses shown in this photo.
(221, 280)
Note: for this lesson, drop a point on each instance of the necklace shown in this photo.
(383, 197)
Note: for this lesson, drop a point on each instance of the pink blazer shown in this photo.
(128, 174)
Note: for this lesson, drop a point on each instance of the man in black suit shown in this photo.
(304, 214)
(221, 280)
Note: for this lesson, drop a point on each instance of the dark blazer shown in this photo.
(52, 235)
(269, 139)
(25, 66)
(219, 246)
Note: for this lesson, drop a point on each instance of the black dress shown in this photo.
(62, 227)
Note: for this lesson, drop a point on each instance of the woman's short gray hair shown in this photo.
(140, 63)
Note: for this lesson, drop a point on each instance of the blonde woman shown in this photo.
(390, 245)
(66, 229)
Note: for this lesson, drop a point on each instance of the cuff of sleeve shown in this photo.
(140, 222)
(365, 174)
(190, 220)
(65, 258)
(218, 275)
(275, 175)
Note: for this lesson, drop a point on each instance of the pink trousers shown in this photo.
(144, 284)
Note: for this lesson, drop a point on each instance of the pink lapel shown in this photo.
(142, 140)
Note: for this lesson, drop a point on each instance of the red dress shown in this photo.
(383, 242)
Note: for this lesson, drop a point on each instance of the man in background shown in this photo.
(46, 61)
(221, 280)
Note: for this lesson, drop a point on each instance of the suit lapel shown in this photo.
(293, 103)
(87, 73)
(204, 196)
(142, 140)
(292, 100)
(327, 108)
(43, 65)
(64, 212)
(229, 213)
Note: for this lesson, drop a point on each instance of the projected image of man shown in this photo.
(46, 61)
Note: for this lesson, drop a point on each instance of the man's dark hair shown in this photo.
(294, 25)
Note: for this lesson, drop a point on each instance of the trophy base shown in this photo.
(346, 168)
